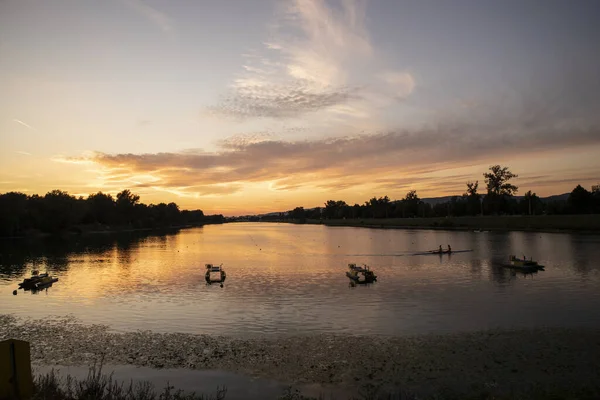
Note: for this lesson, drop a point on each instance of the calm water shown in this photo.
(290, 279)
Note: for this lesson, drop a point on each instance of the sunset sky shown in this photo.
(249, 106)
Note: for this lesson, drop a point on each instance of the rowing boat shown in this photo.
(425, 253)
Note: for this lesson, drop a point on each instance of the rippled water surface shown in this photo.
(290, 279)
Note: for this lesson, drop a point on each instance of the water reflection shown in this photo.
(40, 289)
(290, 279)
(56, 254)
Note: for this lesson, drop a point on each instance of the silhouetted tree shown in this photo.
(411, 204)
(498, 188)
(580, 201)
(334, 209)
(125, 205)
(356, 211)
(530, 204)
(379, 207)
(13, 209)
(298, 214)
(473, 198)
(497, 181)
(101, 208)
(58, 211)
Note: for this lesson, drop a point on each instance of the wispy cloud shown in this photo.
(242, 140)
(23, 153)
(316, 60)
(158, 18)
(18, 121)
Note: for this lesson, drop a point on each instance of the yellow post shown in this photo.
(16, 381)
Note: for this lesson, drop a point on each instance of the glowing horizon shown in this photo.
(266, 106)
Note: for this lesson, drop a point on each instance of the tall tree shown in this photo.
(411, 203)
(497, 181)
(474, 205)
(499, 188)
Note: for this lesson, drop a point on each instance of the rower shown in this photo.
(441, 251)
(449, 249)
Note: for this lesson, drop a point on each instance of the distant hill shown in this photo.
(437, 200)
(556, 197)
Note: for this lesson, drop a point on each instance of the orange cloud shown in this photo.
(382, 162)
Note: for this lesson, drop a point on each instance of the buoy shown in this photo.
(221, 285)
(15, 292)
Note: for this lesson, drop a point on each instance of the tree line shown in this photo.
(59, 211)
(498, 199)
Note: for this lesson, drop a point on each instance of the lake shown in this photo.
(285, 279)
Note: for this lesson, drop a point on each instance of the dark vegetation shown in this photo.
(99, 386)
(58, 211)
(499, 199)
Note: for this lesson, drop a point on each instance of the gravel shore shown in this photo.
(500, 362)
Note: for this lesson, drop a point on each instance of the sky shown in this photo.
(248, 106)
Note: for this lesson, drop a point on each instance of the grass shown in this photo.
(100, 386)
(589, 222)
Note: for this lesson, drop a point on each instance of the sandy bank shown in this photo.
(498, 361)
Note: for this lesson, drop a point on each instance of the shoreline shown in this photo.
(113, 231)
(583, 223)
(561, 358)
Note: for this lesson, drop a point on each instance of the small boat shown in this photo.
(215, 274)
(360, 274)
(36, 280)
(522, 264)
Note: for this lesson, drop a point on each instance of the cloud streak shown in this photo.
(18, 121)
(160, 19)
